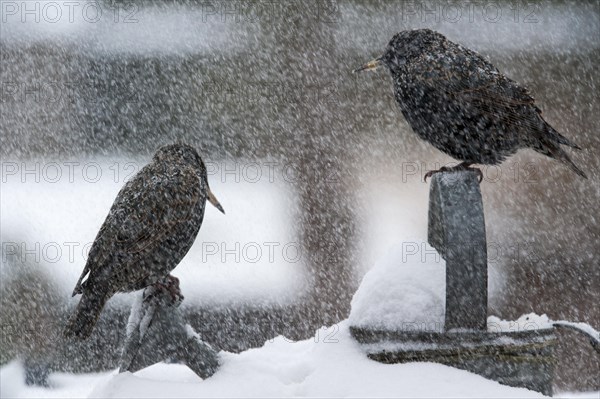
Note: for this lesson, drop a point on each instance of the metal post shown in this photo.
(457, 231)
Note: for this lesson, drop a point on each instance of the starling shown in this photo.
(151, 225)
(461, 104)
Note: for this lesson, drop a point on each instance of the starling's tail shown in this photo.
(82, 322)
(559, 138)
(553, 150)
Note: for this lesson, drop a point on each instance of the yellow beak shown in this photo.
(213, 200)
(369, 66)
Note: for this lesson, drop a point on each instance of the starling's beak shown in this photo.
(213, 200)
(369, 66)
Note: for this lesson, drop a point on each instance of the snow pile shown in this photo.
(331, 364)
(63, 385)
(406, 290)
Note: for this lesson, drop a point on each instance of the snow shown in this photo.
(534, 321)
(139, 317)
(396, 294)
(583, 327)
(327, 365)
(135, 316)
(526, 322)
(405, 290)
(63, 385)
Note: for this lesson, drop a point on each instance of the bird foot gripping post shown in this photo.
(157, 332)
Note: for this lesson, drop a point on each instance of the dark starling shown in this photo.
(150, 227)
(459, 102)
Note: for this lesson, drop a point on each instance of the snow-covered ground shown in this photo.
(329, 365)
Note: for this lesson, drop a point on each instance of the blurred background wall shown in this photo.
(303, 154)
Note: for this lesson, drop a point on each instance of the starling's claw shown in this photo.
(461, 166)
(170, 285)
(479, 174)
(433, 172)
(173, 288)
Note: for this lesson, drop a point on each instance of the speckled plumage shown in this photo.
(151, 225)
(461, 104)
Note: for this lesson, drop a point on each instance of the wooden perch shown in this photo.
(157, 332)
